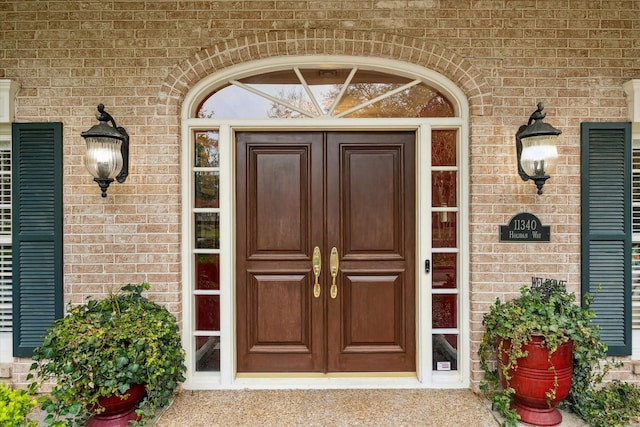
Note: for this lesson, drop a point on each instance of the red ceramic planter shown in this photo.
(534, 375)
(118, 412)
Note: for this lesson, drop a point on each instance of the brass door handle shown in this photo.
(333, 265)
(316, 262)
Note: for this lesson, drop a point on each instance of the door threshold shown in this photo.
(313, 380)
(276, 375)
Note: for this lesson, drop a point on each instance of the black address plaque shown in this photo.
(525, 227)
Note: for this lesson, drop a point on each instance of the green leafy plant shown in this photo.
(103, 347)
(15, 406)
(553, 313)
(612, 404)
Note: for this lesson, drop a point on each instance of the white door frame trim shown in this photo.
(425, 376)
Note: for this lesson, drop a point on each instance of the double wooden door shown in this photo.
(337, 208)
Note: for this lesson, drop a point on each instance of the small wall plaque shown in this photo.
(525, 227)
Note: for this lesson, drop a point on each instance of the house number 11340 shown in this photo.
(525, 227)
(525, 224)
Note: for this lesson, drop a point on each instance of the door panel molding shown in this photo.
(372, 197)
(376, 304)
(285, 210)
(279, 219)
(271, 331)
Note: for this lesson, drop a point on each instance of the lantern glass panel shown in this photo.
(539, 155)
(104, 157)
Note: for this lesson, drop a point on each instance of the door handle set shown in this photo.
(333, 265)
(334, 262)
(317, 266)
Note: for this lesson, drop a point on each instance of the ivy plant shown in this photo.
(553, 313)
(103, 347)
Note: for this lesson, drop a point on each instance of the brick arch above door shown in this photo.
(325, 42)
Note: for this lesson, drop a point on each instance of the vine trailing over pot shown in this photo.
(551, 312)
(101, 349)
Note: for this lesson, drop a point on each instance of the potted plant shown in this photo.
(542, 347)
(109, 352)
(15, 406)
(533, 337)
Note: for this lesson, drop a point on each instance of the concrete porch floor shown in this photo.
(335, 408)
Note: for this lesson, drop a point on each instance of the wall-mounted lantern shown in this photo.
(107, 155)
(536, 149)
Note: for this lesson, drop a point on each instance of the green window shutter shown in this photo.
(606, 229)
(36, 232)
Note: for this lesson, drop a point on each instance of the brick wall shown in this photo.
(139, 58)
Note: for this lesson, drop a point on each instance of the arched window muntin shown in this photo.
(226, 128)
(413, 74)
(325, 93)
